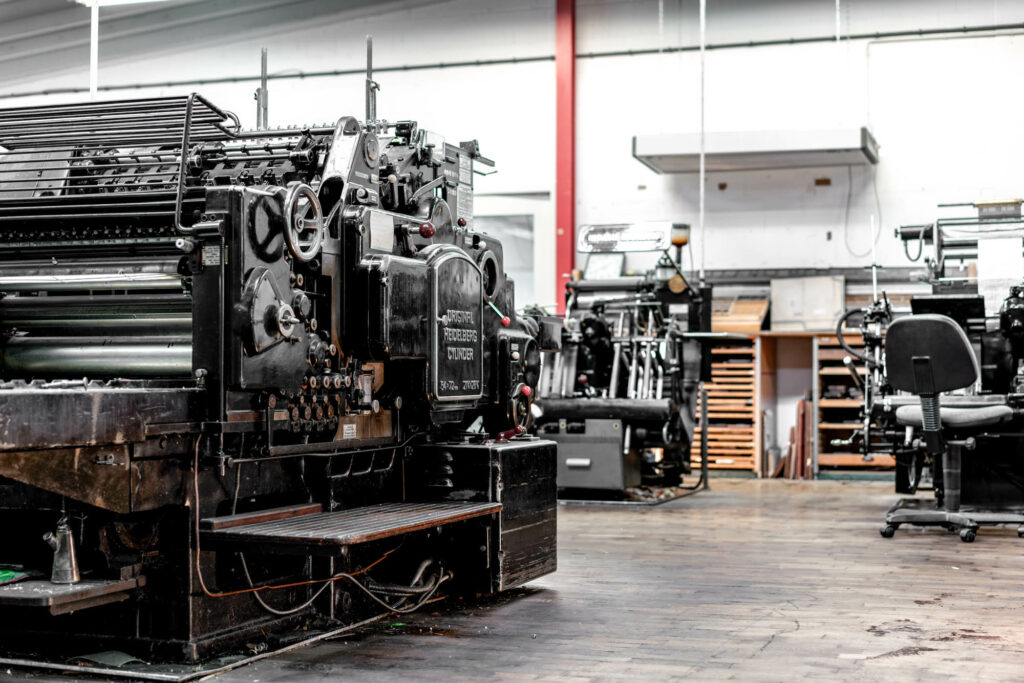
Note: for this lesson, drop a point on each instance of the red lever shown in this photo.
(515, 431)
(427, 230)
(526, 391)
(505, 320)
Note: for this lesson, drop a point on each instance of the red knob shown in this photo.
(520, 429)
(505, 321)
(462, 222)
(427, 230)
(526, 391)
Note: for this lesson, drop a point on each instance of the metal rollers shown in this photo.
(97, 357)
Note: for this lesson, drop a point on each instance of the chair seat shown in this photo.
(982, 416)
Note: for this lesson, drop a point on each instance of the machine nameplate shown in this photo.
(458, 358)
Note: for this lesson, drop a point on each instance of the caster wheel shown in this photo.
(1020, 532)
(968, 535)
(887, 531)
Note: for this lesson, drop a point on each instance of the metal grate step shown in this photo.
(329, 531)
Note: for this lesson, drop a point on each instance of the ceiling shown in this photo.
(42, 37)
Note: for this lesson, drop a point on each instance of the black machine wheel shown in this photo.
(1020, 531)
(887, 531)
(968, 535)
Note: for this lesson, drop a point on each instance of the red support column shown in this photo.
(565, 143)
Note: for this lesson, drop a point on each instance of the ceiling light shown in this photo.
(111, 3)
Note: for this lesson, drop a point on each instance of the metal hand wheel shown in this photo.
(302, 216)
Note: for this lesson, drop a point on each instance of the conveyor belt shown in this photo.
(350, 527)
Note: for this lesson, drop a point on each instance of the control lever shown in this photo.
(848, 362)
(844, 442)
(504, 437)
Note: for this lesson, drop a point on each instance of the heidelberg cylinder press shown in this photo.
(620, 398)
(238, 371)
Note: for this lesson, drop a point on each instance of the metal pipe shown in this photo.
(50, 357)
(361, 71)
(151, 324)
(84, 306)
(78, 266)
(94, 49)
(568, 372)
(262, 121)
(631, 385)
(647, 357)
(74, 283)
(613, 385)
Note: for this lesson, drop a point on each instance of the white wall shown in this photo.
(945, 112)
(942, 111)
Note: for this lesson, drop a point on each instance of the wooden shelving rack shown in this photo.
(838, 416)
(733, 424)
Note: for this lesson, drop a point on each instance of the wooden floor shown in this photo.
(752, 580)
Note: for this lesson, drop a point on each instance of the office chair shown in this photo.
(928, 355)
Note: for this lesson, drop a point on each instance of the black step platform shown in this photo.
(328, 532)
(67, 598)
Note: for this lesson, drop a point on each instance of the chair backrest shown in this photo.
(950, 363)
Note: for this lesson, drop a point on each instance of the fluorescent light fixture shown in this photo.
(112, 3)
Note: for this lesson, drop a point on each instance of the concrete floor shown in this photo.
(752, 580)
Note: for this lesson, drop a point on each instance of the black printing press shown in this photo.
(621, 397)
(948, 390)
(238, 371)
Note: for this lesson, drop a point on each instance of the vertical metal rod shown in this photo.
(704, 435)
(648, 352)
(371, 87)
(183, 165)
(557, 376)
(838, 23)
(264, 100)
(631, 384)
(661, 25)
(634, 349)
(613, 384)
(94, 49)
(703, 236)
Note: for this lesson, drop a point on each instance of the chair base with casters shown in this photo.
(966, 522)
(945, 511)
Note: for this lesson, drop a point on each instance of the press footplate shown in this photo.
(67, 598)
(328, 532)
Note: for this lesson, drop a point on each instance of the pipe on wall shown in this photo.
(361, 71)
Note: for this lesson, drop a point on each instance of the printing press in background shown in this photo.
(237, 369)
(963, 441)
(620, 398)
